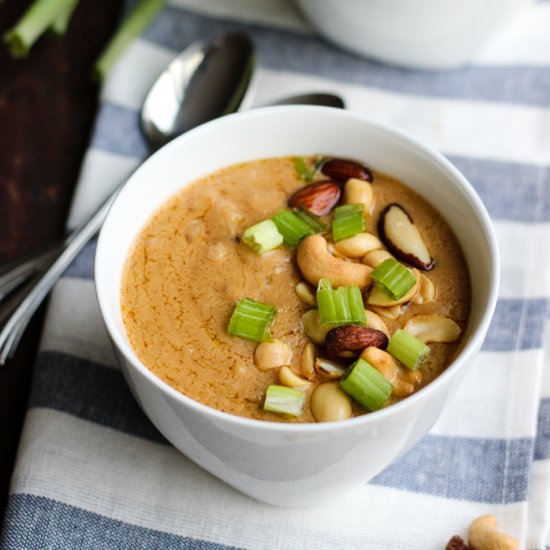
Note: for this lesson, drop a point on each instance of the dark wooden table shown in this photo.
(47, 107)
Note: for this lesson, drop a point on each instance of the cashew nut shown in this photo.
(316, 263)
(358, 245)
(306, 294)
(289, 378)
(313, 327)
(402, 380)
(358, 191)
(270, 355)
(483, 535)
(329, 403)
(307, 361)
(375, 257)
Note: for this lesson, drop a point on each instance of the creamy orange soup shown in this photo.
(188, 268)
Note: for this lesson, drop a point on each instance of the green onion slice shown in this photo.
(60, 25)
(292, 227)
(393, 278)
(40, 15)
(348, 220)
(280, 399)
(302, 171)
(305, 173)
(408, 349)
(262, 237)
(363, 383)
(311, 219)
(141, 14)
(251, 320)
(343, 306)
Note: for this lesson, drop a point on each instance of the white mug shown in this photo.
(280, 463)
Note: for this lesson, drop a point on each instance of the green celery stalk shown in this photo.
(40, 16)
(133, 25)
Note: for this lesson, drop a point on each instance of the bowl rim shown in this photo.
(467, 352)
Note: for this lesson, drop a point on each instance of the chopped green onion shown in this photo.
(134, 24)
(343, 306)
(302, 171)
(393, 278)
(251, 320)
(291, 227)
(348, 221)
(366, 385)
(311, 219)
(296, 224)
(262, 237)
(305, 173)
(41, 15)
(60, 25)
(408, 349)
(280, 399)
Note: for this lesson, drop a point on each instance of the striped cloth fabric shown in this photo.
(92, 472)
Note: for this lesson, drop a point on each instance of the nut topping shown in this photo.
(329, 403)
(483, 535)
(393, 312)
(358, 245)
(403, 239)
(288, 378)
(328, 369)
(456, 543)
(349, 341)
(375, 257)
(426, 291)
(359, 192)
(319, 198)
(270, 355)
(307, 361)
(379, 298)
(342, 170)
(316, 263)
(433, 328)
(374, 321)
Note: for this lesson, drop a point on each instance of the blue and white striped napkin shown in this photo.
(92, 472)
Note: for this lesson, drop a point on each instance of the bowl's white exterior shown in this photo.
(294, 465)
(425, 34)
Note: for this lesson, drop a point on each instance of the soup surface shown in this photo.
(189, 267)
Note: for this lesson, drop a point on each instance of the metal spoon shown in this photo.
(205, 81)
(14, 274)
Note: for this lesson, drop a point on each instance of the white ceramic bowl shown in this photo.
(424, 34)
(289, 464)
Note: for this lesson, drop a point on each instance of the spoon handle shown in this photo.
(18, 272)
(15, 326)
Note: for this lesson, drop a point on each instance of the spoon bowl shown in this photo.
(207, 80)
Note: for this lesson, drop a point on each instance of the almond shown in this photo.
(402, 237)
(349, 341)
(341, 170)
(319, 198)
